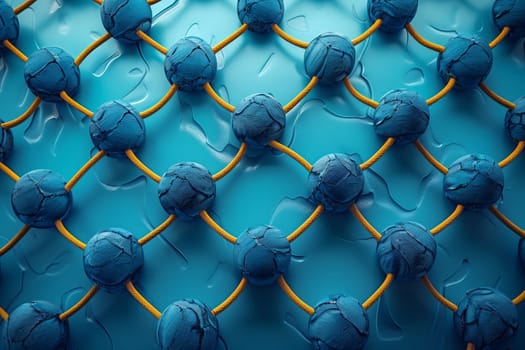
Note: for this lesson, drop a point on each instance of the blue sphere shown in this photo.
(49, 71)
(122, 19)
(39, 198)
(515, 120)
(403, 115)
(396, 14)
(6, 142)
(263, 254)
(9, 26)
(406, 250)
(486, 318)
(260, 15)
(190, 63)
(116, 127)
(36, 325)
(474, 181)
(510, 13)
(339, 323)
(186, 189)
(330, 57)
(257, 120)
(467, 59)
(188, 325)
(112, 257)
(336, 182)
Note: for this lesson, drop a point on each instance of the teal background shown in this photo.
(336, 255)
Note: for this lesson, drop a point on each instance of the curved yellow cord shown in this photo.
(446, 89)
(291, 153)
(443, 169)
(153, 109)
(68, 235)
(84, 169)
(423, 41)
(14, 50)
(514, 154)
(95, 44)
(80, 304)
(141, 300)
(232, 164)
(21, 233)
(379, 153)
(209, 89)
(149, 40)
(450, 219)
(29, 112)
(288, 37)
(138, 163)
(9, 172)
(490, 93)
(290, 105)
(3, 314)
(23, 6)
(470, 346)
(497, 40)
(209, 220)
(506, 221)
(306, 224)
(371, 30)
(157, 230)
(438, 295)
(298, 301)
(380, 291)
(360, 217)
(358, 95)
(519, 299)
(231, 298)
(69, 100)
(230, 38)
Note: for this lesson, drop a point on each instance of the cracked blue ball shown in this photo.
(260, 15)
(122, 19)
(515, 120)
(510, 13)
(395, 14)
(9, 26)
(6, 142)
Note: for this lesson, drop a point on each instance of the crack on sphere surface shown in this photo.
(395, 14)
(123, 18)
(9, 25)
(260, 15)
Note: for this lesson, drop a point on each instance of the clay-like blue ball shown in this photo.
(122, 19)
(486, 318)
(190, 63)
(260, 15)
(475, 181)
(116, 127)
(510, 13)
(262, 254)
(36, 325)
(112, 257)
(186, 189)
(339, 323)
(396, 14)
(49, 71)
(188, 325)
(9, 26)
(336, 182)
(330, 57)
(521, 252)
(403, 115)
(467, 59)
(257, 120)
(39, 198)
(515, 120)
(6, 142)
(407, 250)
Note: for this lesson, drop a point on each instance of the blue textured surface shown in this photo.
(122, 18)
(486, 318)
(6, 142)
(514, 122)
(116, 127)
(510, 13)
(396, 14)
(9, 25)
(521, 252)
(260, 15)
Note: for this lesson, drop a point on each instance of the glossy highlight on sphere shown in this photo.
(9, 25)
(396, 14)
(122, 19)
(515, 120)
(39, 198)
(6, 142)
(260, 15)
(510, 13)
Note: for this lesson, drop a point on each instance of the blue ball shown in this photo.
(403, 115)
(330, 57)
(510, 13)
(486, 318)
(396, 14)
(122, 19)
(336, 182)
(515, 122)
(263, 254)
(49, 71)
(474, 181)
(36, 325)
(190, 63)
(112, 257)
(116, 127)
(260, 15)
(39, 198)
(186, 189)
(6, 142)
(467, 59)
(406, 250)
(9, 26)
(188, 325)
(339, 323)
(521, 251)
(257, 120)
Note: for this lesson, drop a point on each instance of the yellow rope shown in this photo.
(450, 219)
(9, 172)
(290, 105)
(519, 299)
(360, 217)
(291, 153)
(84, 169)
(506, 221)
(471, 346)
(80, 304)
(438, 295)
(75, 104)
(3, 314)
(29, 112)
(380, 291)
(446, 89)
(288, 37)
(515, 153)
(504, 32)
(230, 38)
(138, 163)
(153, 2)
(141, 300)
(423, 41)
(209, 220)
(379, 153)
(371, 30)
(306, 224)
(496, 97)
(15, 50)
(443, 169)
(358, 95)
(231, 165)
(98, 1)
(298, 301)
(157, 230)
(152, 42)
(153, 109)
(68, 235)
(82, 56)
(14, 240)
(209, 89)
(23, 6)
(231, 298)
